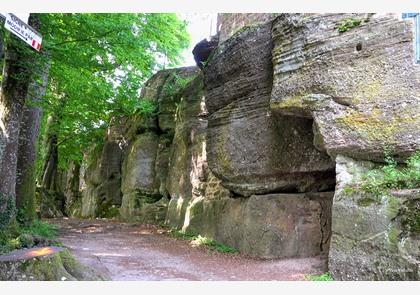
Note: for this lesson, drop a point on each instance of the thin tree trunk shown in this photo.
(17, 70)
(28, 136)
(49, 176)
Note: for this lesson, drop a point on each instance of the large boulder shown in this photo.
(250, 149)
(373, 237)
(355, 75)
(265, 226)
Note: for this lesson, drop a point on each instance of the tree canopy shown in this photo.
(98, 64)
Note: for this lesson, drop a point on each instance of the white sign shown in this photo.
(23, 31)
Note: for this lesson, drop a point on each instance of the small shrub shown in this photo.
(390, 176)
(318, 278)
(181, 235)
(347, 24)
(221, 248)
(16, 236)
(145, 108)
(178, 83)
(41, 229)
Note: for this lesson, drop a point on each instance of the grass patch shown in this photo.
(199, 241)
(318, 278)
(16, 236)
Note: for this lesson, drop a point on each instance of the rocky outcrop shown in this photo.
(102, 195)
(244, 147)
(247, 152)
(374, 237)
(146, 189)
(250, 149)
(355, 75)
(187, 163)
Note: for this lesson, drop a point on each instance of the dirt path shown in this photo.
(143, 252)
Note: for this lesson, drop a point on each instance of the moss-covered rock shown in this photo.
(58, 266)
(373, 237)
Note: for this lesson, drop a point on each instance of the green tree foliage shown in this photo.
(98, 65)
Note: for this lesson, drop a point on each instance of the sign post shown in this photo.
(23, 31)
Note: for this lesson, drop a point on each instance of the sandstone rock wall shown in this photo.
(246, 147)
(146, 189)
(249, 148)
(248, 151)
(355, 75)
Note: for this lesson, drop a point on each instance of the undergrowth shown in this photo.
(392, 176)
(318, 278)
(347, 24)
(17, 236)
(198, 240)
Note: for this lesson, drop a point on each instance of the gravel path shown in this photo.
(124, 251)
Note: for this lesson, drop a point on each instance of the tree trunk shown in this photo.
(17, 72)
(28, 135)
(49, 170)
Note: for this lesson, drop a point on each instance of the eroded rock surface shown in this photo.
(360, 85)
(188, 159)
(249, 149)
(102, 193)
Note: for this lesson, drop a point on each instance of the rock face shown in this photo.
(249, 149)
(373, 238)
(355, 75)
(102, 194)
(243, 147)
(265, 226)
(187, 162)
(146, 161)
